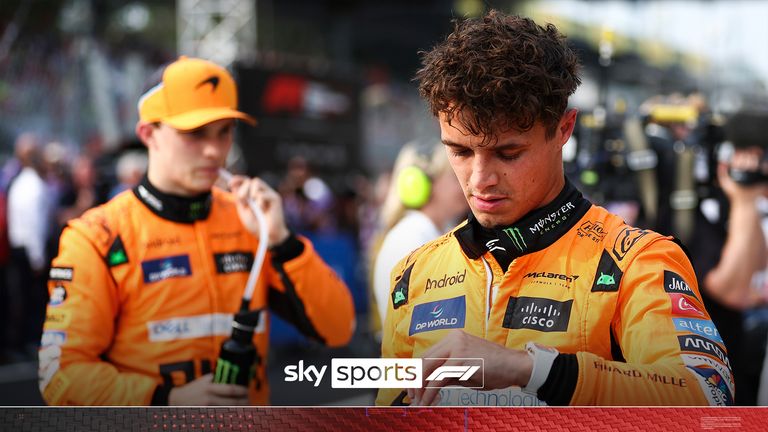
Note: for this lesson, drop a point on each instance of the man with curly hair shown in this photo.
(564, 302)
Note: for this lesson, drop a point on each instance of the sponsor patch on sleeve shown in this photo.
(400, 293)
(63, 274)
(49, 362)
(58, 295)
(675, 284)
(698, 344)
(53, 337)
(713, 385)
(683, 306)
(608, 275)
(438, 315)
(58, 319)
(702, 361)
(704, 328)
(116, 254)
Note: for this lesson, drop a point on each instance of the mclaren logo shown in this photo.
(548, 275)
(212, 80)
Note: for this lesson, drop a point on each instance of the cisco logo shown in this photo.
(537, 314)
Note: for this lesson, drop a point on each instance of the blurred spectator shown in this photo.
(28, 226)
(130, 169)
(292, 191)
(12, 166)
(80, 195)
(424, 200)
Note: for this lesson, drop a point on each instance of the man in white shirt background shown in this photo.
(28, 214)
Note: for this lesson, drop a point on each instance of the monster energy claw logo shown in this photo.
(517, 238)
(227, 372)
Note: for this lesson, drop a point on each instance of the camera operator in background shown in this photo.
(708, 193)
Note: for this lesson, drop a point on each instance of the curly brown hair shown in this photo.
(498, 73)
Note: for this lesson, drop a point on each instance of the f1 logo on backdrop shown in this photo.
(389, 372)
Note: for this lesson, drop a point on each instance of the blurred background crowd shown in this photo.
(330, 82)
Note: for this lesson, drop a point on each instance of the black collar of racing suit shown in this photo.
(173, 207)
(533, 232)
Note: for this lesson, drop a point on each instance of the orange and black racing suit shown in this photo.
(620, 304)
(144, 289)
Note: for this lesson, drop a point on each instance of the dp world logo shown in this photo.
(438, 315)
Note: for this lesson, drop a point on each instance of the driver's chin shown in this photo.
(197, 186)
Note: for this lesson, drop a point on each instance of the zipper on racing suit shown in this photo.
(488, 295)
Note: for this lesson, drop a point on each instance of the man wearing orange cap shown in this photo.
(145, 286)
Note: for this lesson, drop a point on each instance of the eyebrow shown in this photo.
(497, 147)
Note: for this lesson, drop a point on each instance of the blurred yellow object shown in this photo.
(674, 113)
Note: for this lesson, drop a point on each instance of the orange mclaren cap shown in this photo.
(193, 93)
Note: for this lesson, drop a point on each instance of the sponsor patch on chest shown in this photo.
(438, 315)
(540, 314)
(166, 268)
(233, 262)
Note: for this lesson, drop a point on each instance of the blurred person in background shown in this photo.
(727, 286)
(423, 202)
(144, 288)
(730, 250)
(28, 226)
(80, 194)
(130, 168)
(721, 227)
(565, 302)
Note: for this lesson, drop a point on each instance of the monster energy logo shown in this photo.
(517, 238)
(226, 372)
(195, 209)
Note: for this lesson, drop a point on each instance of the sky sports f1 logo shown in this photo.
(399, 373)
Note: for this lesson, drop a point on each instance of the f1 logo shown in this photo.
(469, 368)
(463, 373)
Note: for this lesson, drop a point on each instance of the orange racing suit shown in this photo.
(144, 289)
(620, 304)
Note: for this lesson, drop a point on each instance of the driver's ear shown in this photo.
(147, 133)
